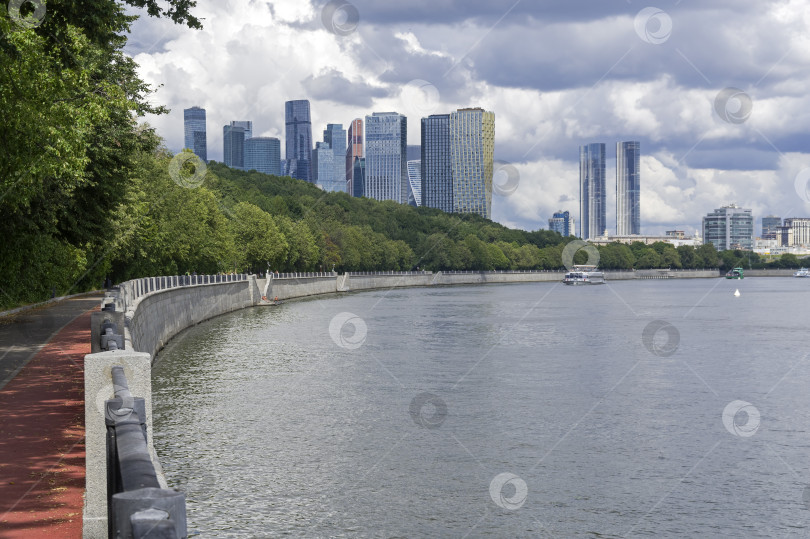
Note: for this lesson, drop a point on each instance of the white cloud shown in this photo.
(565, 90)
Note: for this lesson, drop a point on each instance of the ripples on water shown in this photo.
(273, 429)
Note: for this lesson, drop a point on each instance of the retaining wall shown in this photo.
(158, 316)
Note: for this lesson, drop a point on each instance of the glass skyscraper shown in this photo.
(298, 135)
(335, 136)
(194, 132)
(563, 223)
(247, 125)
(263, 154)
(592, 195)
(386, 163)
(628, 208)
(415, 182)
(354, 151)
(233, 146)
(323, 169)
(436, 174)
(729, 227)
(472, 145)
(359, 177)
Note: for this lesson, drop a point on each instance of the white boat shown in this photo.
(803, 272)
(584, 275)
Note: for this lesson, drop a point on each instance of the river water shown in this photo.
(638, 408)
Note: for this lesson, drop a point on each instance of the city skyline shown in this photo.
(701, 142)
(342, 179)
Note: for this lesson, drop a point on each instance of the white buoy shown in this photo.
(737, 293)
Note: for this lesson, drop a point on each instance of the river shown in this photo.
(639, 408)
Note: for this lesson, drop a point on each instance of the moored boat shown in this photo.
(803, 272)
(584, 275)
(736, 273)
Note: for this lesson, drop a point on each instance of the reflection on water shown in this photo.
(504, 410)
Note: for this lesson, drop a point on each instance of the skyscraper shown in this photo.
(233, 146)
(323, 168)
(436, 174)
(247, 125)
(415, 183)
(298, 143)
(472, 145)
(263, 154)
(628, 208)
(335, 136)
(729, 227)
(562, 223)
(386, 164)
(592, 195)
(359, 177)
(354, 151)
(194, 131)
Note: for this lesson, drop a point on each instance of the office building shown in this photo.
(298, 139)
(794, 233)
(562, 223)
(323, 169)
(628, 209)
(354, 151)
(769, 226)
(335, 136)
(472, 147)
(194, 132)
(359, 177)
(415, 183)
(247, 125)
(263, 154)
(414, 152)
(233, 146)
(436, 174)
(592, 193)
(386, 165)
(729, 227)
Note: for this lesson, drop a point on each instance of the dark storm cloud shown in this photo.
(333, 86)
(456, 11)
(706, 48)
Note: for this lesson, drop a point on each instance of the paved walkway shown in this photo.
(42, 419)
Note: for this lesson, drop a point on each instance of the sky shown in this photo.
(716, 92)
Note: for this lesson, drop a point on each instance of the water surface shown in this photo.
(273, 427)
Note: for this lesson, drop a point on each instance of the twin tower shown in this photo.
(593, 192)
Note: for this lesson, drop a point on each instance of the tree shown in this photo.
(687, 255)
(259, 242)
(707, 254)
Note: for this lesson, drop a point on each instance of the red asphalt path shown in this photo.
(42, 440)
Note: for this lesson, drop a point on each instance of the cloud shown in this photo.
(556, 74)
(331, 85)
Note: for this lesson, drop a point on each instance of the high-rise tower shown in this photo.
(298, 143)
(472, 145)
(436, 174)
(354, 152)
(592, 195)
(263, 154)
(194, 131)
(628, 209)
(233, 146)
(335, 136)
(386, 157)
